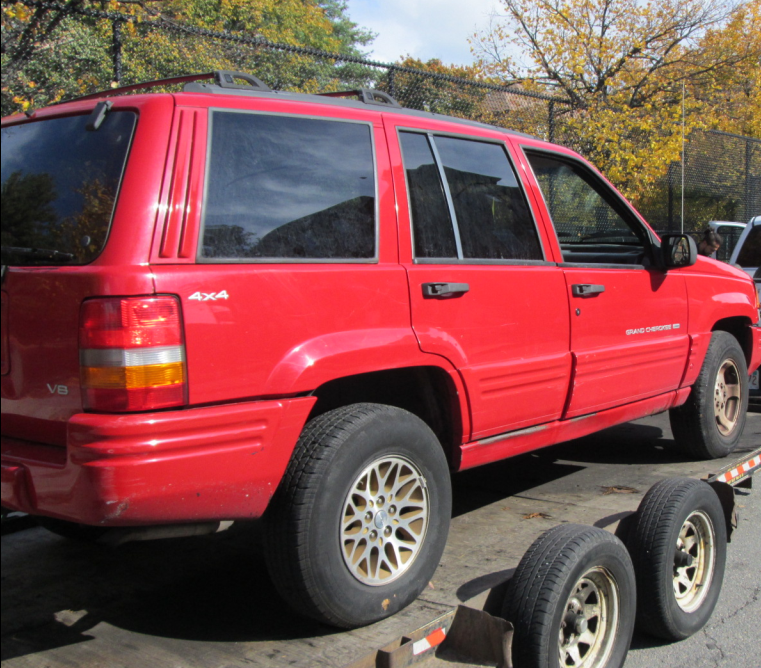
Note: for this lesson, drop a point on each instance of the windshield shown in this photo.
(59, 185)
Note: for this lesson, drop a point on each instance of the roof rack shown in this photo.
(121, 90)
(366, 95)
(227, 80)
(222, 78)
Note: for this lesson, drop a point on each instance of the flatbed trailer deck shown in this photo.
(206, 601)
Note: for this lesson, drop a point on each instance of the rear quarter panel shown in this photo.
(283, 329)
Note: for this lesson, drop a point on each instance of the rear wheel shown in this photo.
(572, 600)
(357, 527)
(710, 423)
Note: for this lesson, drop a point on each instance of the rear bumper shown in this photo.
(201, 464)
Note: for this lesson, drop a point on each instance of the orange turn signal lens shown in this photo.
(153, 375)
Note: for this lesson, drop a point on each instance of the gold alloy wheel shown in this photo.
(694, 561)
(590, 621)
(385, 519)
(727, 397)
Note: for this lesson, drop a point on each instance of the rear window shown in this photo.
(287, 188)
(59, 186)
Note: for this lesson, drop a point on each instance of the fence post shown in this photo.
(391, 81)
(116, 52)
(670, 181)
(748, 192)
(551, 112)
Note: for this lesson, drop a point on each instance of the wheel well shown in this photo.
(737, 327)
(424, 391)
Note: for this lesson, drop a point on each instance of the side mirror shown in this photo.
(678, 250)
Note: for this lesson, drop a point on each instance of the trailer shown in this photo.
(73, 603)
(695, 517)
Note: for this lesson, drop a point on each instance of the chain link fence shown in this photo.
(722, 178)
(722, 181)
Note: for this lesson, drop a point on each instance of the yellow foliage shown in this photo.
(629, 67)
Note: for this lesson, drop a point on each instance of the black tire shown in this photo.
(568, 571)
(317, 532)
(710, 423)
(71, 530)
(674, 513)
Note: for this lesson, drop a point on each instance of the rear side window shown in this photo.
(289, 188)
(59, 186)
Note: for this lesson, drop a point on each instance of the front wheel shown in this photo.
(710, 423)
(357, 527)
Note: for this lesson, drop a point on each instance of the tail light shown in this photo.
(132, 354)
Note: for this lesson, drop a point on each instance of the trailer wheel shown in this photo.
(678, 544)
(710, 423)
(357, 527)
(572, 600)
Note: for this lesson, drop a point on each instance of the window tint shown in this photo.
(432, 227)
(59, 185)
(581, 209)
(731, 235)
(492, 215)
(289, 188)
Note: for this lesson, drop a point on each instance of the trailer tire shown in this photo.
(358, 525)
(678, 544)
(710, 423)
(572, 600)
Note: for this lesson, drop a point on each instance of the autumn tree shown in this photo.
(59, 51)
(627, 66)
(433, 86)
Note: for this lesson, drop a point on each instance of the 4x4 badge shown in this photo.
(209, 296)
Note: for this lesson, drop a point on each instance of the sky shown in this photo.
(424, 29)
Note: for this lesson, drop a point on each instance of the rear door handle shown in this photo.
(444, 289)
(586, 290)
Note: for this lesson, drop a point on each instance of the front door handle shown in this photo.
(444, 289)
(586, 290)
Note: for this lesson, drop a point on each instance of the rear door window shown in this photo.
(432, 227)
(59, 186)
(289, 188)
(465, 201)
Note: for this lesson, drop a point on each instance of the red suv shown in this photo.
(231, 303)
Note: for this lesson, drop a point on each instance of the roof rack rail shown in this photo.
(227, 79)
(121, 90)
(366, 95)
(223, 79)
